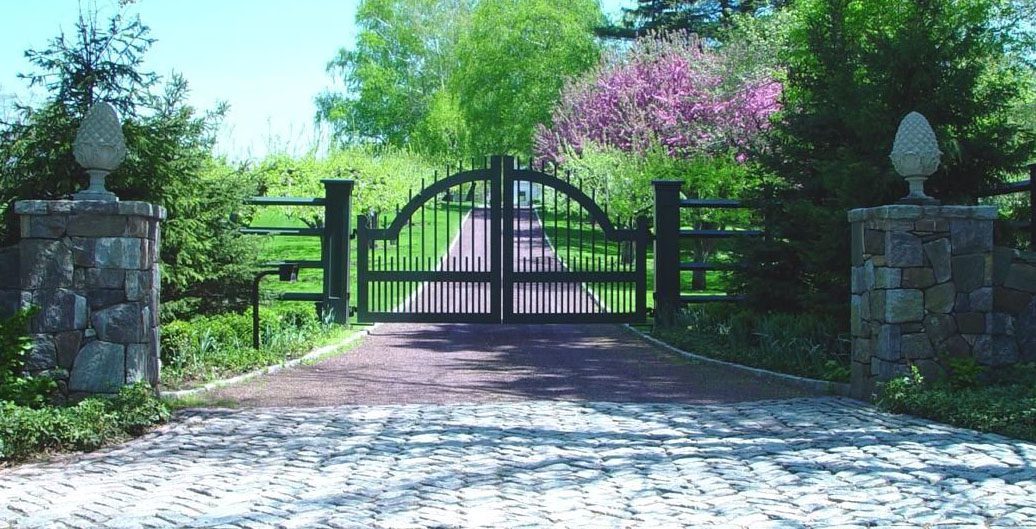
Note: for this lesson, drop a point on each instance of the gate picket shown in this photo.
(508, 279)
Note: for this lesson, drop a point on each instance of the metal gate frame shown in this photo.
(639, 236)
(502, 277)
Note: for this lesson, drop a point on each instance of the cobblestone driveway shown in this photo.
(789, 463)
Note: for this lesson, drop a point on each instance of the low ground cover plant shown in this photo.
(1006, 406)
(31, 422)
(26, 431)
(799, 344)
(210, 347)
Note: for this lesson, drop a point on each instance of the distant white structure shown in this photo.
(525, 194)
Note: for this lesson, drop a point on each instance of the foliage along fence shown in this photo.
(334, 245)
(668, 236)
(1023, 186)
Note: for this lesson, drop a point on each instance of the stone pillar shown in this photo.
(91, 268)
(1014, 307)
(922, 290)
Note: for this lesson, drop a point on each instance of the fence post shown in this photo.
(335, 248)
(667, 250)
(1032, 207)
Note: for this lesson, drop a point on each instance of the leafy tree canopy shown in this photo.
(404, 56)
(513, 63)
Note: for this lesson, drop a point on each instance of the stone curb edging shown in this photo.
(312, 355)
(811, 384)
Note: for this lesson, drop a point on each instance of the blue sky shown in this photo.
(264, 57)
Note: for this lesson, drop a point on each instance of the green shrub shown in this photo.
(211, 347)
(1005, 409)
(800, 344)
(16, 385)
(25, 431)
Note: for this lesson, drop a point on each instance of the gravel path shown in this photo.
(468, 363)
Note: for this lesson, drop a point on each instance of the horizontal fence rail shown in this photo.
(334, 245)
(668, 236)
(1024, 186)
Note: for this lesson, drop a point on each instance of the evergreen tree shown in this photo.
(703, 17)
(854, 69)
(169, 159)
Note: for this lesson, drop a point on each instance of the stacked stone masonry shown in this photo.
(10, 282)
(91, 269)
(929, 287)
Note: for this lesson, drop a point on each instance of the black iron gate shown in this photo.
(501, 244)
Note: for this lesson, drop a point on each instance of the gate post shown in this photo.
(503, 168)
(1032, 207)
(667, 250)
(335, 248)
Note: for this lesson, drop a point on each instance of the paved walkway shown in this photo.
(820, 462)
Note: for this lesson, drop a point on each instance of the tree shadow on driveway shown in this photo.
(456, 363)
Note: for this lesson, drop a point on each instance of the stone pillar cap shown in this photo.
(914, 212)
(91, 207)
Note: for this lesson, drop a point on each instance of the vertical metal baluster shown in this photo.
(593, 231)
(611, 292)
(486, 224)
(424, 228)
(394, 285)
(568, 224)
(460, 215)
(579, 221)
(449, 234)
(410, 229)
(399, 239)
(557, 226)
(435, 219)
(543, 229)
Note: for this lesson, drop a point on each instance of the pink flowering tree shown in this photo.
(671, 91)
(668, 107)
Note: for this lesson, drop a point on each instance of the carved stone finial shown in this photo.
(915, 155)
(100, 148)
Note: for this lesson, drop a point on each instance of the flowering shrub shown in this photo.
(670, 91)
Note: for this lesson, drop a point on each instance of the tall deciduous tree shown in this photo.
(512, 65)
(404, 57)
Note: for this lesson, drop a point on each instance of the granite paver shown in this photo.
(807, 462)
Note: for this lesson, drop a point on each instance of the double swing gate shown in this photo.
(501, 244)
